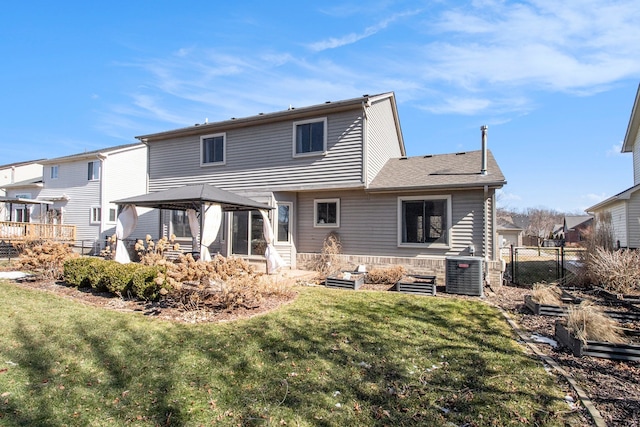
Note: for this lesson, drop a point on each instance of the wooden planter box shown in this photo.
(550, 310)
(604, 350)
(422, 285)
(354, 282)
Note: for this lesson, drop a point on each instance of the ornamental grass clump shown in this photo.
(329, 262)
(46, 258)
(617, 271)
(386, 275)
(588, 322)
(547, 294)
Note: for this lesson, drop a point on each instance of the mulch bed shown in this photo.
(613, 386)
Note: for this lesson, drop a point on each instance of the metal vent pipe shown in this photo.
(483, 169)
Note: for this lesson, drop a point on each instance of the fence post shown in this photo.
(513, 265)
(562, 275)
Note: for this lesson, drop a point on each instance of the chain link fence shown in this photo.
(529, 265)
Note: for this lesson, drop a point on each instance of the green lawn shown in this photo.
(331, 358)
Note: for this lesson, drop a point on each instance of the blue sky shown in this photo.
(554, 81)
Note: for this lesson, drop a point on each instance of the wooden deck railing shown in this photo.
(10, 230)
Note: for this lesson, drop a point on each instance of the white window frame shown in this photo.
(402, 244)
(95, 215)
(224, 149)
(111, 209)
(324, 137)
(54, 172)
(315, 213)
(97, 165)
(277, 223)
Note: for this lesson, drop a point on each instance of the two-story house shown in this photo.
(21, 175)
(79, 187)
(624, 207)
(338, 167)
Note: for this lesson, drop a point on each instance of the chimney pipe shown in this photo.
(483, 169)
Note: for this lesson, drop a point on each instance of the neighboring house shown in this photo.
(338, 167)
(29, 189)
(80, 186)
(509, 234)
(574, 227)
(624, 207)
(15, 173)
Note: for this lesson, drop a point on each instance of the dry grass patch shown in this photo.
(617, 271)
(547, 294)
(386, 276)
(589, 323)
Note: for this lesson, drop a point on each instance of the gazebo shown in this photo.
(204, 205)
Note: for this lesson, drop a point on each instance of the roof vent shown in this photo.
(461, 153)
(403, 158)
(428, 156)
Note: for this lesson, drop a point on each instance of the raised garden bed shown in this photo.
(619, 298)
(600, 349)
(417, 284)
(551, 310)
(345, 280)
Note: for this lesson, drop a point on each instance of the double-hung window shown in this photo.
(54, 172)
(96, 215)
(94, 170)
(212, 149)
(424, 221)
(310, 137)
(326, 213)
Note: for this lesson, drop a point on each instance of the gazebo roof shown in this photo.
(192, 197)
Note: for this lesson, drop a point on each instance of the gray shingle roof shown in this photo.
(456, 170)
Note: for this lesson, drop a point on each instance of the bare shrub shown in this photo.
(587, 322)
(617, 272)
(46, 258)
(386, 275)
(329, 261)
(598, 236)
(543, 293)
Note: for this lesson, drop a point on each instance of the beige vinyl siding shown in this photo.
(618, 213)
(382, 137)
(636, 160)
(124, 174)
(633, 221)
(83, 194)
(261, 157)
(369, 224)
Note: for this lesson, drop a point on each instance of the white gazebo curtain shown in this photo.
(212, 218)
(274, 261)
(127, 221)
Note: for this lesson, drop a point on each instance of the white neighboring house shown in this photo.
(81, 186)
(15, 173)
(624, 207)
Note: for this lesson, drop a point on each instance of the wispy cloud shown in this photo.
(615, 150)
(335, 42)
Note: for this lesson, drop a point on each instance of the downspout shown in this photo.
(485, 248)
(365, 143)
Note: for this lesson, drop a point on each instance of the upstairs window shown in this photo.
(212, 149)
(54, 172)
(94, 170)
(326, 213)
(310, 137)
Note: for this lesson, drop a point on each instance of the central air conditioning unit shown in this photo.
(464, 275)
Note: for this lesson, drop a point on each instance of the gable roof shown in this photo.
(456, 170)
(91, 154)
(572, 221)
(632, 128)
(17, 164)
(191, 197)
(623, 195)
(289, 114)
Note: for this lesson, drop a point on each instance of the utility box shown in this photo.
(464, 275)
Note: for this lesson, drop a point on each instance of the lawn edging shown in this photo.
(582, 395)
